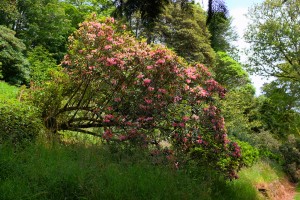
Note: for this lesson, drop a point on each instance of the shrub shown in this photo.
(126, 91)
(249, 154)
(291, 154)
(19, 122)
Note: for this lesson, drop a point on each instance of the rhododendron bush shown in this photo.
(125, 91)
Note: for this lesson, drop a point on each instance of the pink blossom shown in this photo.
(118, 99)
(150, 88)
(122, 137)
(89, 56)
(188, 80)
(100, 33)
(195, 117)
(149, 67)
(177, 98)
(148, 101)
(107, 134)
(185, 140)
(110, 20)
(92, 67)
(147, 81)
(186, 87)
(107, 47)
(110, 61)
(160, 61)
(185, 118)
(199, 141)
(163, 91)
(109, 108)
(181, 124)
(140, 76)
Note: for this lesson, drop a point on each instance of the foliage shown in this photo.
(43, 23)
(131, 92)
(13, 65)
(222, 34)
(229, 72)
(8, 12)
(9, 91)
(41, 63)
(149, 11)
(40, 171)
(185, 31)
(78, 10)
(280, 110)
(19, 122)
(273, 35)
(241, 112)
(291, 154)
(249, 154)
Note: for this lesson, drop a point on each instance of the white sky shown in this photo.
(237, 10)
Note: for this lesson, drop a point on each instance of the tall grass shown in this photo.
(40, 171)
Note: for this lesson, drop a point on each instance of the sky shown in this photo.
(237, 10)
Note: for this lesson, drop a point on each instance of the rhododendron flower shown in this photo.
(177, 98)
(185, 118)
(148, 101)
(182, 125)
(147, 81)
(199, 141)
(107, 134)
(185, 140)
(161, 61)
(149, 67)
(195, 117)
(110, 61)
(110, 20)
(117, 99)
(122, 137)
(140, 76)
(107, 47)
(92, 67)
(150, 88)
(163, 91)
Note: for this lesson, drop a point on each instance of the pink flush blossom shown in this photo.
(160, 61)
(149, 67)
(150, 88)
(148, 101)
(185, 118)
(163, 91)
(140, 76)
(147, 81)
(107, 47)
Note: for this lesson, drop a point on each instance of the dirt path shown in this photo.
(277, 190)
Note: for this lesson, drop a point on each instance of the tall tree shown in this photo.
(149, 11)
(185, 31)
(13, 67)
(274, 38)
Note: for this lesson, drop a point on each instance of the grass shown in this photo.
(75, 170)
(40, 171)
(78, 172)
(8, 91)
(297, 196)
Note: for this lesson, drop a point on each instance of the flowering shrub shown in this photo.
(128, 91)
